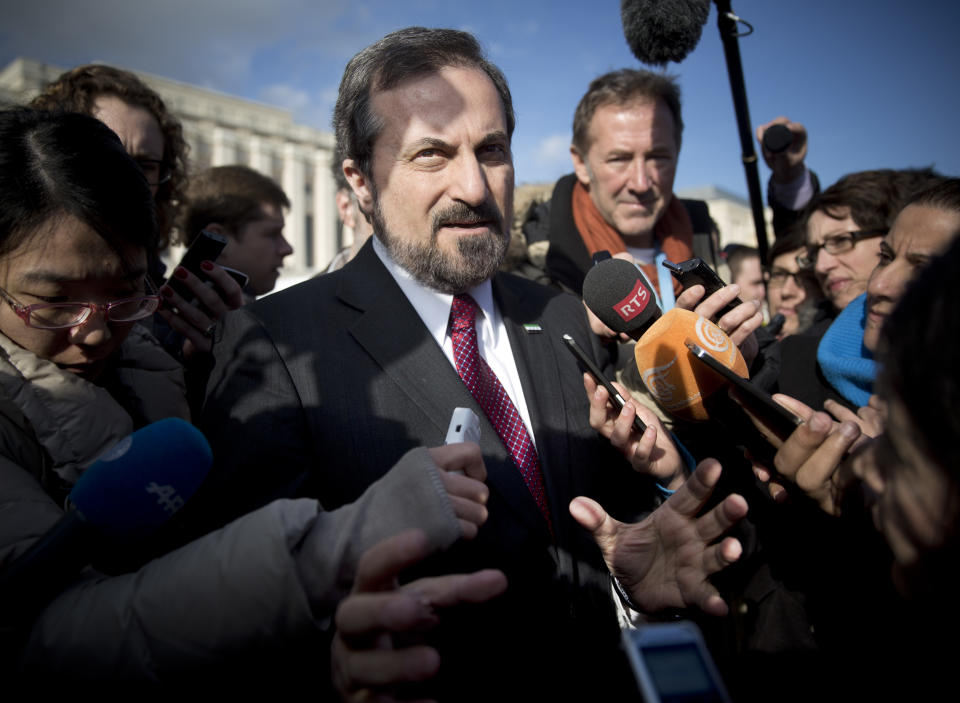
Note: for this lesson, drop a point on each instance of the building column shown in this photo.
(293, 186)
(224, 147)
(325, 243)
(259, 155)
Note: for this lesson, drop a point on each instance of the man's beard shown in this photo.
(479, 256)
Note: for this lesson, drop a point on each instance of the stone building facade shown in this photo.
(223, 129)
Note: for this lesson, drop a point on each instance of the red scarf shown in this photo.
(673, 232)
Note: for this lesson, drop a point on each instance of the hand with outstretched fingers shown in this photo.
(665, 560)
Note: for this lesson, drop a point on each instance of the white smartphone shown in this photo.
(464, 427)
(672, 665)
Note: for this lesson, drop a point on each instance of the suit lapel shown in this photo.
(537, 365)
(392, 333)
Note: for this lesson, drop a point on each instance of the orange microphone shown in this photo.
(680, 385)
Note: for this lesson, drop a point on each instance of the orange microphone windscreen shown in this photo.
(679, 383)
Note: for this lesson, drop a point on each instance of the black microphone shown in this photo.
(776, 324)
(658, 31)
(618, 293)
(126, 495)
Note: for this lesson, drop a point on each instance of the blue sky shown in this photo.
(874, 81)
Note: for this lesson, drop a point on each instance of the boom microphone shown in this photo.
(658, 31)
(126, 495)
(619, 294)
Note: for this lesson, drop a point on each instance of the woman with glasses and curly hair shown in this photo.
(150, 134)
(154, 138)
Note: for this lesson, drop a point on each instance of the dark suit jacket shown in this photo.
(319, 389)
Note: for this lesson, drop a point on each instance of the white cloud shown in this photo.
(542, 160)
(329, 95)
(553, 149)
(217, 43)
(524, 27)
(286, 96)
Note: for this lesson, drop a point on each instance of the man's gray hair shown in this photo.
(622, 88)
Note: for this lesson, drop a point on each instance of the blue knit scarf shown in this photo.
(846, 364)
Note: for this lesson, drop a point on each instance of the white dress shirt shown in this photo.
(433, 308)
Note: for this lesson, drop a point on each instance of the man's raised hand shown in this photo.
(666, 559)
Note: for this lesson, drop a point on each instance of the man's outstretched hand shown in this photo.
(366, 664)
(665, 560)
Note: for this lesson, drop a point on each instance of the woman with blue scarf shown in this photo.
(924, 228)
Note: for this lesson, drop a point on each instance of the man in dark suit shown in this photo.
(319, 389)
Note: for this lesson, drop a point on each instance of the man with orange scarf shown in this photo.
(626, 141)
(627, 133)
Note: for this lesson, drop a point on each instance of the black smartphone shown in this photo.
(696, 272)
(781, 421)
(206, 246)
(598, 376)
(239, 276)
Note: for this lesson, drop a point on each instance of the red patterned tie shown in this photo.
(493, 399)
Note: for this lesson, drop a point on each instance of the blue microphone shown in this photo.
(125, 496)
(136, 486)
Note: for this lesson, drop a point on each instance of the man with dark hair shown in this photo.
(355, 228)
(325, 383)
(746, 271)
(247, 208)
(627, 132)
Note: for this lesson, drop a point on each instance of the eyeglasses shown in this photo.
(836, 244)
(51, 316)
(156, 172)
(778, 278)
